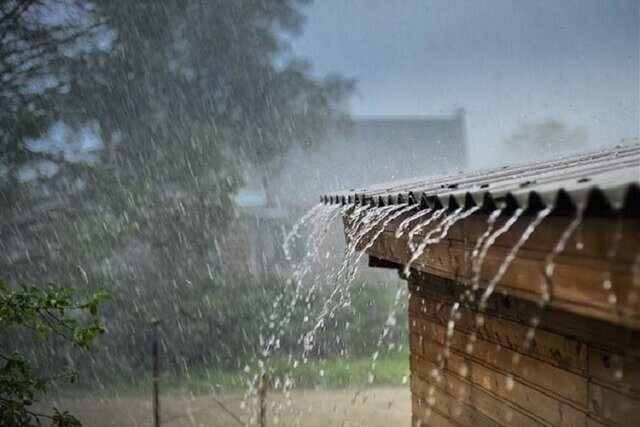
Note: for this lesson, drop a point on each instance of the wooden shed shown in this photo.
(524, 288)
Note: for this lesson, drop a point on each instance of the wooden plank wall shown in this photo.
(577, 371)
(578, 282)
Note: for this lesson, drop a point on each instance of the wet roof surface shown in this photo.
(596, 182)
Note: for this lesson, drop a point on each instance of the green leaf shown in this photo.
(42, 329)
(55, 310)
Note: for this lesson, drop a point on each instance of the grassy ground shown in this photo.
(333, 373)
(333, 392)
(390, 370)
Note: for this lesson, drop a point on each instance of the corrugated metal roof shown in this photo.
(597, 182)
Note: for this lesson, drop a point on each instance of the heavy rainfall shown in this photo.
(164, 259)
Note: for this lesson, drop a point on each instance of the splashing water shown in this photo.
(455, 308)
(533, 225)
(546, 289)
(612, 252)
(512, 255)
(416, 251)
(373, 217)
(491, 220)
(437, 214)
(389, 323)
(356, 218)
(318, 219)
(486, 240)
(314, 241)
(487, 245)
(442, 228)
(381, 217)
(320, 223)
(549, 265)
(286, 246)
(407, 221)
(477, 267)
(401, 210)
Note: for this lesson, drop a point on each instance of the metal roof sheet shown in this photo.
(597, 182)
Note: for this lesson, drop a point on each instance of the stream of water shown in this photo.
(364, 226)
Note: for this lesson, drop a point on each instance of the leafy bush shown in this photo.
(54, 311)
(222, 325)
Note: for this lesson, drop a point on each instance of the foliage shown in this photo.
(332, 372)
(183, 96)
(40, 42)
(225, 320)
(153, 74)
(217, 324)
(57, 311)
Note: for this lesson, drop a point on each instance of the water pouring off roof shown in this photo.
(501, 264)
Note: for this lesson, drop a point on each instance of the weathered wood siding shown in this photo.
(601, 248)
(577, 371)
(582, 364)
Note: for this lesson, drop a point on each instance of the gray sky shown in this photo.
(506, 62)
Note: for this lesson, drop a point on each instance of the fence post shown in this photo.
(262, 393)
(156, 375)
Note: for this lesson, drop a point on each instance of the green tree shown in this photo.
(40, 41)
(57, 311)
(184, 95)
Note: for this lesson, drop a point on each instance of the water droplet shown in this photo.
(509, 415)
(464, 370)
(617, 374)
(510, 383)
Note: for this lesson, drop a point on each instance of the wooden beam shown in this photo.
(595, 276)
